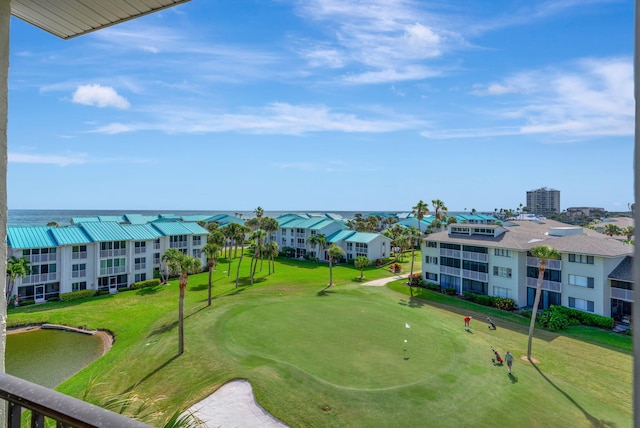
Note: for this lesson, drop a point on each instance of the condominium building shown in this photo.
(543, 201)
(593, 273)
(97, 255)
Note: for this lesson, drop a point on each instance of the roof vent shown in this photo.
(564, 231)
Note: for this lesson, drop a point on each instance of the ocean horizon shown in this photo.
(64, 217)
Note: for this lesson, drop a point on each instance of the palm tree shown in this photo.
(170, 254)
(318, 241)
(184, 264)
(335, 252)
(612, 230)
(628, 232)
(257, 237)
(211, 252)
(272, 253)
(269, 225)
(242, 231)
(413, 236)
(441, 211)
(16, 268)
(419, 211)
(542, 252)
(361, 262)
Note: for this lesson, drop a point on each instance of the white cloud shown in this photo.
(273, 119)
(50, 159)
(99, 96)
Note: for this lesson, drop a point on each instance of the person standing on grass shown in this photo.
(467, 321)
(508, 357)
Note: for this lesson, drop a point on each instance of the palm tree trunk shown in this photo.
(209, 296)
(239, 263)
(534, 313)
(330, 272)
(181, 321)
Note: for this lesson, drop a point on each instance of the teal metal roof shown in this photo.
(141, 232)
(195, 217)
(171, 228)
(71, 235)
(113, 218)
(105, 231)
(362, 237)
(30, 237)
(137, 218)
(340, 235)
(412, 221)
(78, 220)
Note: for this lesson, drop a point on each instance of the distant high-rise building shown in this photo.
(543, 201)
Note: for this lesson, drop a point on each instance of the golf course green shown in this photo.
(349, 355)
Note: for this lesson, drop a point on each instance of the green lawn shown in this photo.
(338, 357)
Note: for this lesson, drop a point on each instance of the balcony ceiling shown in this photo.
(71, 18)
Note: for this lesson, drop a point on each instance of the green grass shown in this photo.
(337, 357)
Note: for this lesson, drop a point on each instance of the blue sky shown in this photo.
(327, 105)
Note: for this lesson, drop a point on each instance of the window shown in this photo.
(581, 258)
(140, 277)
(431, 276)
(197, 240)
(475, 266)
(349, 246)
(502, 271)
(78, 271)
(140, 247)
(300, 241)
(140, 263)
(79, 252)
(432, 244)
(500, 291)
(502, 252)
(197, 253)
(581, 304)
(431, 260)
(156, 258)
(449, 261)
(77, 286)
(581, 281)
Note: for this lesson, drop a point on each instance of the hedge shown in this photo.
(145, 284)
(585, 318)
(75, 295)
(504, 303)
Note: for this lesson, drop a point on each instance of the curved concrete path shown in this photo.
(384, 281)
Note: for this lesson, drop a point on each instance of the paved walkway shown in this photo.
(384, 281)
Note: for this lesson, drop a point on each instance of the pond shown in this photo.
(49, 357)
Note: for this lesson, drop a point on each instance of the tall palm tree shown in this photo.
(257, 237)
(419, 211)
(269, 225)
(272, 251)
(612, 230)
(318, 241)
(16, 268)
(211, 252)
(242, 231)
(542, 252)
(186, 265)
(440, 211)
(167, 257)
(335, 252)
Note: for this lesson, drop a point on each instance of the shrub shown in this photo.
(414, 279)
(526, 313)
(451, 291)
(101, 292)
(504, 303)
(395, 268)
(553, 319)
(432, 286)
(27, 302)
(585, 318)
(145, 284)
(481, 299)
(76, 295)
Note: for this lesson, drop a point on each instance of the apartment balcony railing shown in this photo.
(40, 258)
(79, 255)
(448, 270)
(476, 276)
(112, 270)
(546, 285)
(113, 253)
(78, 274)
(156, 245)
(180, 244)
(476, 257)
(551, 264)
(622, 294)
(40, 278)
(140, 250)
(445, 252)
(47, 404)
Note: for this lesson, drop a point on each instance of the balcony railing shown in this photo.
(478, 257)
(41, 258)
(546, 285)
(445, 252)
(39, 278)
(551, 263)
(622, 294)
(447, 270)
(476, 276)
(44, 403)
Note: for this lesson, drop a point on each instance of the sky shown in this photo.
(327, 105)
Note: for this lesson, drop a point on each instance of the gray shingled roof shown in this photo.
(524, 235)
(622, 272)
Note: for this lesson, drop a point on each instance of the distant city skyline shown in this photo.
(327, 105)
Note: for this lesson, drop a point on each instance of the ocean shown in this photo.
(63, 217)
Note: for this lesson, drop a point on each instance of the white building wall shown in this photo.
(500, 285)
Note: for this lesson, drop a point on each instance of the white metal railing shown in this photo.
(42, 277)
(39, 258)
(477, 276)
(546, 285)
(448, 270)
(478, 257)
(113, 253)
(112, 270)
(551, 264)
(79, 255)
(156, 245)
(450, 253)
(140, 266)
(78, 273)
(622, 294)
(180, 244)
(140, 250)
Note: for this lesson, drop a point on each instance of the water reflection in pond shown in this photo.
(48, 357)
